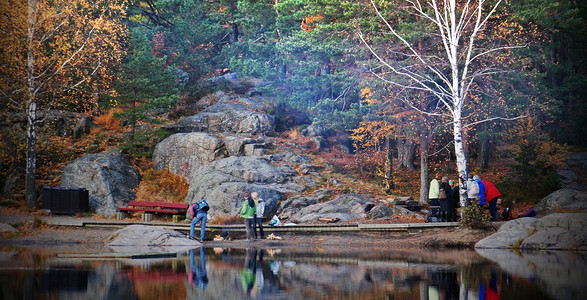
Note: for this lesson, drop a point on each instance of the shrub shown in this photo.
(475, 218)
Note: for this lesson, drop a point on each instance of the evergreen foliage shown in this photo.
(475, 218)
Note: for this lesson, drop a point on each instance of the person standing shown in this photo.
(444, 199)
(491, 194)
(199, 213)
(454, 201)
(472, 189)
(258, 219)
(248, 213)
(481, 195)
(434, 190)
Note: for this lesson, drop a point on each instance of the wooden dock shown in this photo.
(313, 228)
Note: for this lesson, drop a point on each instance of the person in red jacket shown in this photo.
(491, 194)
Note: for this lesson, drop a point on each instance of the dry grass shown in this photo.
(107, 121)
(162, 186)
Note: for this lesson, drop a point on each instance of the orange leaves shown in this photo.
(107, 120)
(309, 22)
(163, 186)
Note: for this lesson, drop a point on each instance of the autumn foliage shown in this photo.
(162, 186)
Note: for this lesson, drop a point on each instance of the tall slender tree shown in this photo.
(45, 53)
(450, 71)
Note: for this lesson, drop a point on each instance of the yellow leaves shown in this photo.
(372, 133)
(367, 96)
(64, 50)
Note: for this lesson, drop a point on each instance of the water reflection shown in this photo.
(255, 273)
(198, 276)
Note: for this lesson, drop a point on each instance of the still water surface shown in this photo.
(217, 273)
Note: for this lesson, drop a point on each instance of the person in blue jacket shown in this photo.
(481, 195)
(199, 212)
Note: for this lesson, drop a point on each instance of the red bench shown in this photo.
(155, 207)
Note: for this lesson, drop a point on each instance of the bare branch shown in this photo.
(411, 49)
(50, 34)
(496, 49)
(66, 62)
(442, 95)
(493, 119)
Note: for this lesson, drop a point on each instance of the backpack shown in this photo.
(251, 202)
(202, 205)
(442, 194)
(474, 188)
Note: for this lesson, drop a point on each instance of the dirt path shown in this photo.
(66, 239)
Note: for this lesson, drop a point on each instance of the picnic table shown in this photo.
(178, 210)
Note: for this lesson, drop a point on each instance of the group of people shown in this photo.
(252, 211)
(445, 194)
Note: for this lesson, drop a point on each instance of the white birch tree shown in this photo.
(449, 74)
(45, 51)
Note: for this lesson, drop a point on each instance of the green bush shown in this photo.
(475, 218)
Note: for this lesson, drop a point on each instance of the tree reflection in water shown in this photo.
(256, 273)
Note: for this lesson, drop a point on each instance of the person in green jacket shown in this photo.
(248, 211)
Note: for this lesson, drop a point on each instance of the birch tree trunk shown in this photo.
(31, 137)
(461, 159)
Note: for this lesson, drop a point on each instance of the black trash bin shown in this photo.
(65, 200)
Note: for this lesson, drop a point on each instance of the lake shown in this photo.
(298, 273)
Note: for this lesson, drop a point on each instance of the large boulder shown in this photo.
(110, 179)
(294, 204)
(230, 115)
(380, 211)
(510, 234)
(236, 144)
(572, 174)
(562, 200)
(344, 208)
(559, 231)
(142, 238)
(184, 153)
(223, 182)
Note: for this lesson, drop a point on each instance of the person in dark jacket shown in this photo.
(444, 199)
(454, 203)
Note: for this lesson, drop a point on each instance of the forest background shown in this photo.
(125, 62)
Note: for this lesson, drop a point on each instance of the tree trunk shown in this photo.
(460, 155)
(235, 34)
(31, 154)
(389, 184)
(424, 141)
(31, 139)
(405, 153)
(483, 154)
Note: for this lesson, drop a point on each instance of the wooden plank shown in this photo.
(159, 204)
(155, 210)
